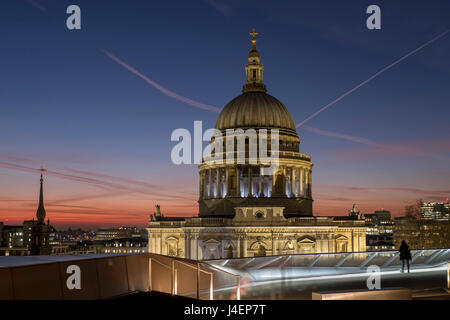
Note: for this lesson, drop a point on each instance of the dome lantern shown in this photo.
(254, 70)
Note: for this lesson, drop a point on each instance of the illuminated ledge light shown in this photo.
(346, 276)
(330, 277)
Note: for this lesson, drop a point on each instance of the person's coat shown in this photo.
(405, 253)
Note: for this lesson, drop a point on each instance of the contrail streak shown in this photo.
(339, 135)
(22, 161)
(160, 88)
(391, 148)
(37, 5)
(96, 182)
(371, 78)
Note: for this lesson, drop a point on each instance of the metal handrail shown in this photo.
(174, 278)
(163, 264)
(186, 264)
(238, 292)
(334, 253)
(150, 282)
(211, 293)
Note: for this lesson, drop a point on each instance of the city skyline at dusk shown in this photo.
(96, 107)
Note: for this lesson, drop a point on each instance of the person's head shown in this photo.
(403, 243)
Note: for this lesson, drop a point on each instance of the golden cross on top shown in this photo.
(253, 33)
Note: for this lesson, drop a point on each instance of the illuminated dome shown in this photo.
(255, 110)
(244, 181)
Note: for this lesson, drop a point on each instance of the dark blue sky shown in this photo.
(65, 104)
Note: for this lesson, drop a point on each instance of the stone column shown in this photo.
(238, 246)
(238, 182)
(261, 182)
(293, 182)
(249, 180)
(160, 244)
(195, 244)
(354, 242)
(218, 184)
(309, 183)
(284, 181)
(244, 246)
(331, 244)
(227, 175)
(210, 184)
(150, 243)
(301, 182)
(187, 245)
(273, 245)
(274, 177)
(200, 186)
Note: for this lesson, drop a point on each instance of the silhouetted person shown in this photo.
(405, 255)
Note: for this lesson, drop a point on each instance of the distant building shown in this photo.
(34, 237)
(40, 232)
(117, 233)
(124, 245)
(119, 245)
(72, 236)
(12, 236)
(27, 226)
(380, 231)
(246, 206)
(11, 241)
(422, 233)
(430, 231)
(439, 211)
(379, 228)
(354, 213)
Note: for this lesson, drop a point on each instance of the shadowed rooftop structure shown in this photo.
(105, 276)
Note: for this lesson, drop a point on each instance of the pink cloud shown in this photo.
(117, 184)
(416, 191)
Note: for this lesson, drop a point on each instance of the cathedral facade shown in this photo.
(248, 207)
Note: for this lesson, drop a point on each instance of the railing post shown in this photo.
(238, 293)
(176, 282)
(448, 275)
(150, 287)
(173, 277)
(198, 281)
(211, 288)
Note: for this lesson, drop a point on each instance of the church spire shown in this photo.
(254, 69)
(40, 214)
